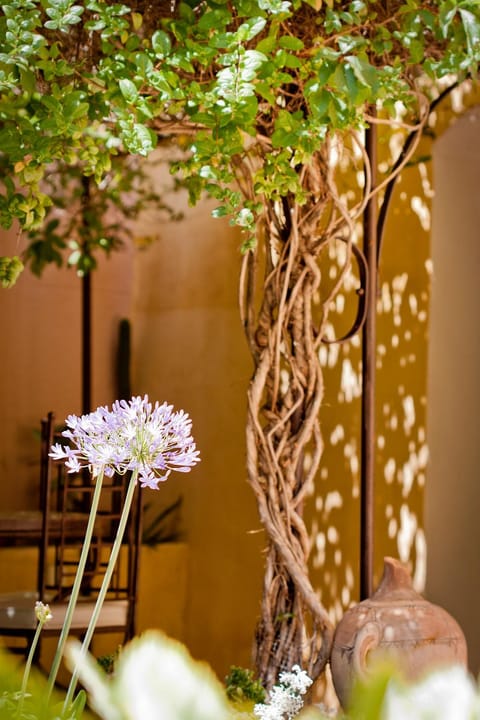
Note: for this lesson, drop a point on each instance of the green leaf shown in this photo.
(248, 30)
(292, 61)
(250, 62)
(128, 89)
(364, 72)
(266, 45)
(318, 99)
(143, 63)
(161, 43)
(447, 13)
(289, 42)
(349, 43)
(212, 20)
(220, 211)
(78, 705)
(264, 90)
(10, 269)
(74, 107)
(144, 140)
(471, 25)
(245, 218)
(276, 7)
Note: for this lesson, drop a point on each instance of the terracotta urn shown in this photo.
(396, 623)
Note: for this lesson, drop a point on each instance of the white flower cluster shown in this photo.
(285, 699)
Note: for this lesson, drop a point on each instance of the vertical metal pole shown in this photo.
(368, 383)
(86, 305)
(86, 343)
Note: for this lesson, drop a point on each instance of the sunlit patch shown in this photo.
(406, 533)
(332, 535)
(420, 575)
(389, 470)
(333, 500)
(351, 382)
(421, 209)
(345, 596)
(407, 474)
(426, 184)
(413, 303)
(337, 435)
(408, 404)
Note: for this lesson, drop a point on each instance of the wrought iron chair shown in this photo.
(65, 504)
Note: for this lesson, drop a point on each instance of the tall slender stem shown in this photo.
(76, 585)
(104, 587)
(28, 666)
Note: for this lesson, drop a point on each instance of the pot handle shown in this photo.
(366, 640)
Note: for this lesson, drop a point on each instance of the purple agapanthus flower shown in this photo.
(133, 435)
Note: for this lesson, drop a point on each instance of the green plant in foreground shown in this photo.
(29, 701)
(107, 662)
(241, 685)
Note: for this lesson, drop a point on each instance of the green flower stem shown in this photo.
(28, 666)
(76, 585)
(104, 587)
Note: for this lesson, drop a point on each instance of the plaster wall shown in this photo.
(452, 494)
(189, 350)
(41, 359)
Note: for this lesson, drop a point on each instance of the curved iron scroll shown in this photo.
(382, 215)
(362, 297)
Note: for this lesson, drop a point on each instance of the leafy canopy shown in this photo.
(259, 80)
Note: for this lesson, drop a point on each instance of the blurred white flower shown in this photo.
(448, 694)
(155, 677)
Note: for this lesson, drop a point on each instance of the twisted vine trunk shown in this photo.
(284, 317)
(284, 306)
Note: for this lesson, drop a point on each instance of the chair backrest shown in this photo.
(66, 500)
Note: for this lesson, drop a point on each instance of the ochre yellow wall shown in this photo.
(189, 349)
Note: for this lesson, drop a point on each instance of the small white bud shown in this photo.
(42, 612)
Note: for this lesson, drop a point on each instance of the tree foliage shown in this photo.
(81, 81)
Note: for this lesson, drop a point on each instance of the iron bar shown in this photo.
(86, 343)
(367, 500)
(382, 215)
(86, 293)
